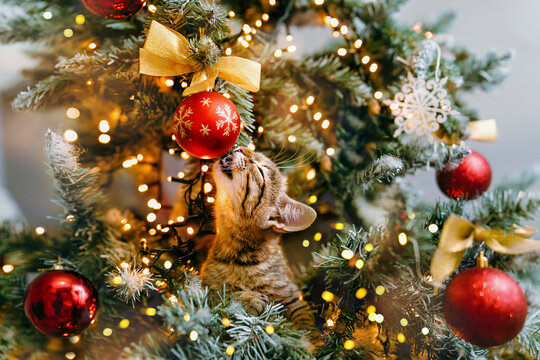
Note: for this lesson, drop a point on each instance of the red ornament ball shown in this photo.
(206, 125)
(61, 303)
(113, 9)
(484, 306)
(468, 180)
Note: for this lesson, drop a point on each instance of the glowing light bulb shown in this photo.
(404, 322)
(278, 53)
(291, 48)
(305, 243)
(167, 264)
(361, 293)
(344, 29)
(228, 51)
(47, 15)
(207, 187)
(68, 33)
(317, 236)
(229, 350)
(318, 2)
(293, 108)
(325, 124)
(365, 59)
(348, 345)
(311, 174)
(204, 168)
(71, 355)
(190, 230)
(226, 322)
(317, 116)
(142, 188)
(80, 19)
(40, 230)
(401, 337)
(327, 296)
(260, 129)
(265, 17)
(347, 254)
(169, 82)
(92, 45)
(330, 151)
(184, 155)
(7, 268)
(104, 138)
(291, 138)
(379, 290)
(342, 51)
(310, 100)
(402, 239)
(358, 43)
(123, 324)
(433, 228)
(151, 217)
(193, 335)
(70, 135)
(73, 113)
(373, 67)
(425, 330)
(269, 329)
(359, 263)
(378, 95)
(312, 199)
(151, 311)
(152, 8)
(107, 332)
(334, 22)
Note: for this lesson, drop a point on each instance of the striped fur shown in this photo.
(252, 209)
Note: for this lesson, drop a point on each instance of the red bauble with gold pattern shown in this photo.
(484, 306)
(61, 303)
(468, 180)
(206, 125)
(113, 9)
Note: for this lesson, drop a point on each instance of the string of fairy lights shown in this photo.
(247, 36)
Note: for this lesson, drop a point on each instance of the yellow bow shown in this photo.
(166, 53)
(458, 234)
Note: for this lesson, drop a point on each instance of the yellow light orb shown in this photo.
(193, 335)
(347, 254)
(80, 19)
(379, 290)
(226, 322)
(124, 323)
(327, 296)
(104, 138)
(269, 329)
(107, 332)
(73, 113)
(361, 293)
(404, 322)
(401, 337)
(70, 135)
(348, 345)
(230, 350)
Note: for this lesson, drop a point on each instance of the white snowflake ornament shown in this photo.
(420, 106)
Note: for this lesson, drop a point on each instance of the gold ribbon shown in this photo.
(166, 53)
(483, 130)
(458, 234)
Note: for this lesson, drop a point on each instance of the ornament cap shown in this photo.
(482, 261)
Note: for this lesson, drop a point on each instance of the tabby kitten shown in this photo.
(252, 209)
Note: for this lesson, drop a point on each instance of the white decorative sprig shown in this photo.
(420, 106)
(129, 281)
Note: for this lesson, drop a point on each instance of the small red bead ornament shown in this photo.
(206, 125)
(484, 306)
(468, 180)
(114, 9)
(61, 303)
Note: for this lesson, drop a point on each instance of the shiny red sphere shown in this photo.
(114, 9)
(61, 303)
(484, 306)
(468, 180)
(206, 125)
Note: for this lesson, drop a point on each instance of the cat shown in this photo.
(252, 209)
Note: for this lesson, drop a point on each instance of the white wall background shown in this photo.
(482, 24)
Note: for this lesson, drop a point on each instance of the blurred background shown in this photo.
(26, 188)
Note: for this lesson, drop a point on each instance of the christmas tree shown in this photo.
(169, 92)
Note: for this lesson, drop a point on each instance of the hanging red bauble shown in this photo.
(114, 9)
(468, 180)
(206, 125)
(484, 306)
(61, 303)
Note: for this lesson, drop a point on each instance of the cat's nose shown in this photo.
(226, 161)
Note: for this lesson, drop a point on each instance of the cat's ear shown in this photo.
(291, 216)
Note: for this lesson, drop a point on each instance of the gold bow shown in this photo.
(458, 234)
(166, 53)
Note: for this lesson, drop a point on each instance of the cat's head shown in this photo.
(251, 192)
